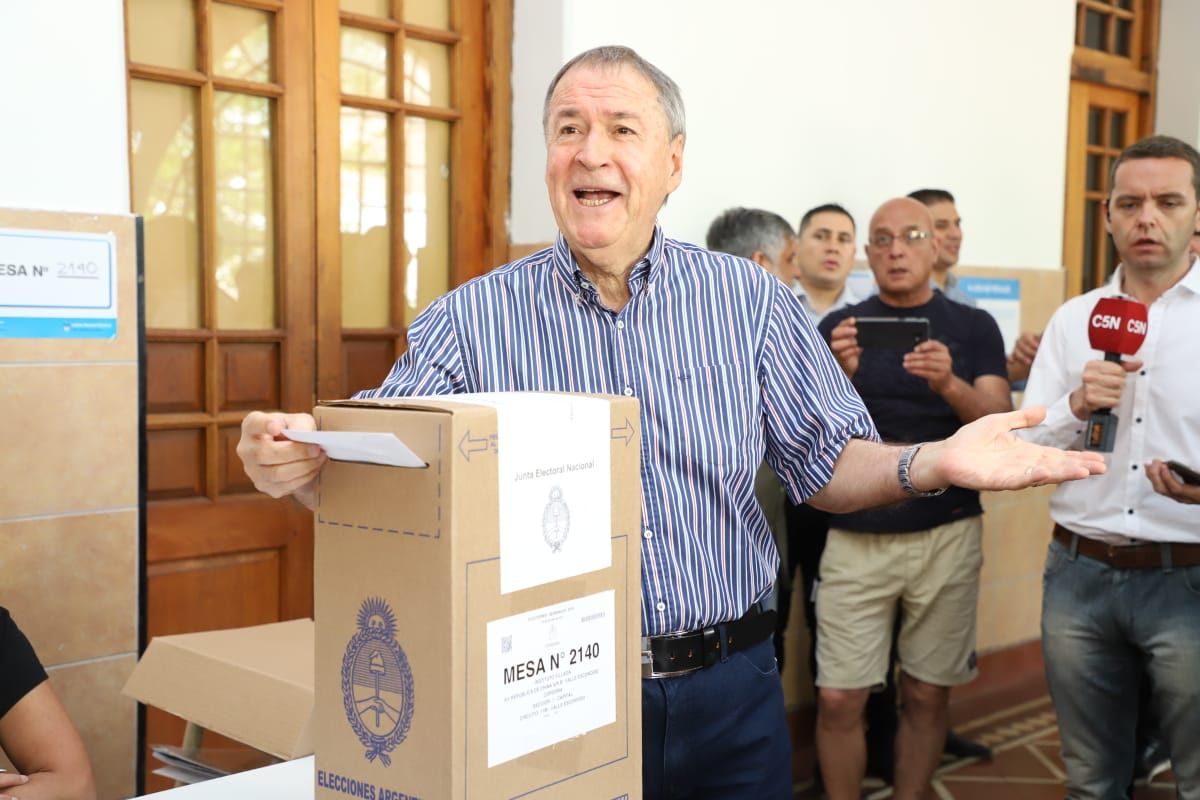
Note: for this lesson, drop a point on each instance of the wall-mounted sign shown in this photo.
(57, 285)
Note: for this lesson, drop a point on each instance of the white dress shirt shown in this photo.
(1159, 416)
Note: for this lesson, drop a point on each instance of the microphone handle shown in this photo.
(1102, 424)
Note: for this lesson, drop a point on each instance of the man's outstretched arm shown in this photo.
(983, 455)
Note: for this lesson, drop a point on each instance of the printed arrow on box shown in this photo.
(469, 445)
(624, 432)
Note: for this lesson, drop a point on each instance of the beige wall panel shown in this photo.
(70, 438)
(121, 348)
(71, 584)
(1016, 530)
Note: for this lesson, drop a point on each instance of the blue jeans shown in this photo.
(718, 732)
(1103, 629)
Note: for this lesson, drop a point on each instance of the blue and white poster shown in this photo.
(1000, 297)
(57, 285)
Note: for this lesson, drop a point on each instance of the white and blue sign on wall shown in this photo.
(57, 285)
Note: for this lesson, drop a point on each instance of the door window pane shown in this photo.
(430, 13)
(365, 223)
(426, 73)
(1095, 165)
(1117, 134)
(162, 33)
(241, 43)
(163, 142)
(1095, 30)
(1091, 213)
(426, 213)
(370, 8)
(244, 225)
(364, 62)
(1094, 125)
(1124, 35)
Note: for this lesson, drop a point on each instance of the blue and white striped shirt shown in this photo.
(724, 362)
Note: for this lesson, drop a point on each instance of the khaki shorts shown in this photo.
(933, 574)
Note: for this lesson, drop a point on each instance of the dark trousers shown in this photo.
(718, 732)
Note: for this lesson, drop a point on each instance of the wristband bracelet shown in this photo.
(906, 457)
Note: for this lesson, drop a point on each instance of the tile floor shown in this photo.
(1019, 725)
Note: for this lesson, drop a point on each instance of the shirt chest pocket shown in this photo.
(714, 410)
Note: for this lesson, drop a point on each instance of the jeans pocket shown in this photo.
(1057, 557)
(1191, 579)
(759, 658)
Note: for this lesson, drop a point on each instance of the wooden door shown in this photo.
(1111, 107)
(1103, 121)
(312, 174)
(220, 97)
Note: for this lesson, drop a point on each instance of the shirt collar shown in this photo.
(647, 268)
(1190, 280)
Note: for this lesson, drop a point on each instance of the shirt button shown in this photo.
(620, 325)
(1139, 419)
(661, 606)
(649, 534)
(1135, 467)
(1143, 372)
(629, 391)
(1130, 510)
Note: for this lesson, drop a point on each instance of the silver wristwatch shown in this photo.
(906, 457)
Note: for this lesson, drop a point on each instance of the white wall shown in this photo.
(1178, 111)
(63, 143)
(792, 103)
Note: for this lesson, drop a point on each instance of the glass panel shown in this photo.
(1125, 4)
(430, 13)
(245, 224)
(1090, 212)
(162, 33)
(426, 213)
(371, 8)
(163, 140)
(1094, 166)
(1095, 30)
(1116, 136)
(1094, 116)
(241, 43)
(426, 73)
(1124, 34)
(364, 62)
(366, 226)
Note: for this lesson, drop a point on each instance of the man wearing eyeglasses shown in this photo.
(922, 555)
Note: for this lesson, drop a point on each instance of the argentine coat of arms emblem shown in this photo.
(377, 682)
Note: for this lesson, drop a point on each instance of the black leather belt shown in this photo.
(680, 653)
(1145, 555)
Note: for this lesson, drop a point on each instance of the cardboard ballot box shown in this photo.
(478, 615)
(254, 685)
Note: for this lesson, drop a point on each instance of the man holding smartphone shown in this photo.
(1122, 579)
(923, 555)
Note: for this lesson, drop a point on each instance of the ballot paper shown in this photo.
(363, 447)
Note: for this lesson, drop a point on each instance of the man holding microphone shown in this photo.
(1122, 577)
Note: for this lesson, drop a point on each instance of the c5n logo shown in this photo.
(377, 683)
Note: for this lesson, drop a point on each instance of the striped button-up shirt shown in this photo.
(726, 367)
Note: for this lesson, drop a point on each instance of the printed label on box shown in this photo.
(551, 675)
(555, 493)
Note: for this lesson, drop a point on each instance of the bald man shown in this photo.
(922, 555)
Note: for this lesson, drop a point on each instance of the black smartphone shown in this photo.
(891, 333)
(1186, 474)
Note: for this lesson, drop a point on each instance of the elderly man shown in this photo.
(720, 355)
(1122, 580)
(923, 555)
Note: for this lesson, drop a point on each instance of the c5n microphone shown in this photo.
(1116, 327)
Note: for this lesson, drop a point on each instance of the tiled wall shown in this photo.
(69, 508)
